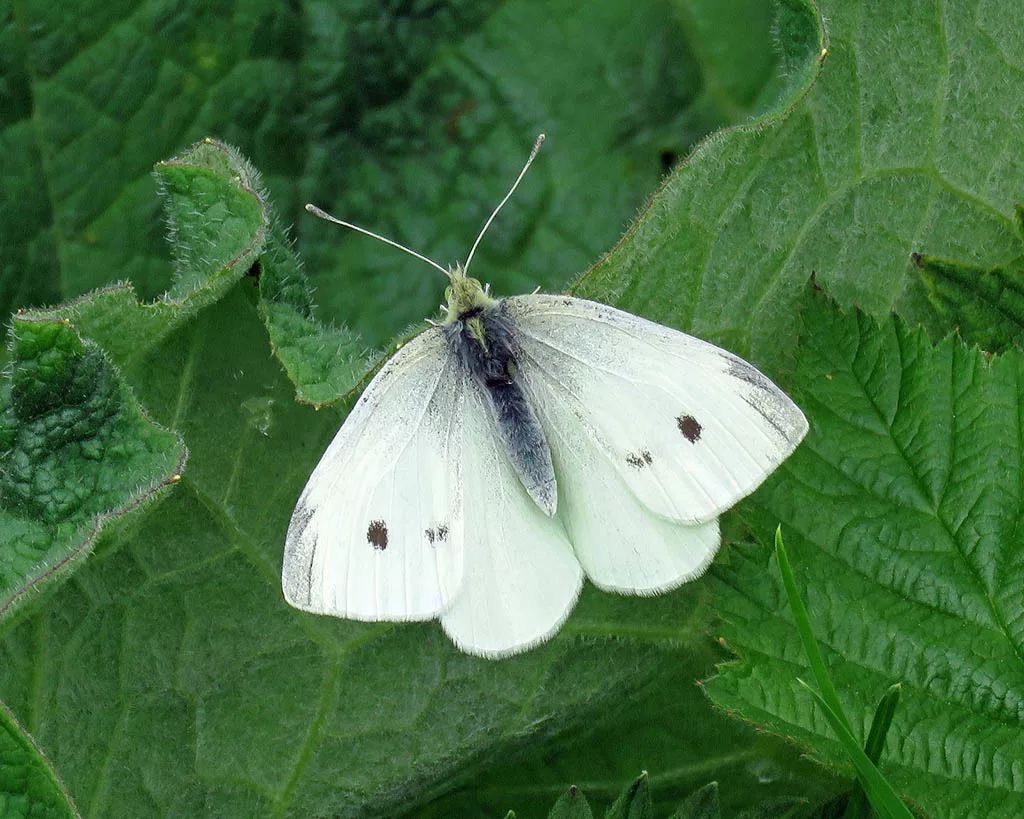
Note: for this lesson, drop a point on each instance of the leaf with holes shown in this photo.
(902, 513)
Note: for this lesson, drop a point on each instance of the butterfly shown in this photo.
(518, 445)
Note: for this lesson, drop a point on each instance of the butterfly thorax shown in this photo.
(464, 295)
(484, 341)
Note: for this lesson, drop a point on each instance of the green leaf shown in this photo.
(806, 632)
(985, 305)
(222, 227)
(426, 119)
(874, 745)
(181, 623)
(571, 805)
(634, 802)
(29, 787)
(217, 223)
(324, 362)
(216, 218)
(881, 722)
(78, 451)
(903, 510)
(788, 808)
(907, 142)
(666, 725)
(871, 783)
(701, 804)
(352, 106)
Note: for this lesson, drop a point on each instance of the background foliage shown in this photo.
(164, 675)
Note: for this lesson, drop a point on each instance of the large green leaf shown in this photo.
(286, 712)
(423, 122)
(665, 729)
(29, 787)
(911, 141)
(903, 512)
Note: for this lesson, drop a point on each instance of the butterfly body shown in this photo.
(482, 338)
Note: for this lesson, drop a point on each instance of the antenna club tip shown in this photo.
(311, 207)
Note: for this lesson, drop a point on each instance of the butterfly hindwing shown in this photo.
(521, 578)
(621, 545)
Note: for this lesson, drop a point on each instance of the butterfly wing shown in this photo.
(521, 577)
(685, 428)
(621, 545)
(377, 533)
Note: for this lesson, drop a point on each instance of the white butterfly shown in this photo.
(516, 446)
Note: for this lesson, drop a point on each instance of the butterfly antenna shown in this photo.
(501, 204)
(325, 215)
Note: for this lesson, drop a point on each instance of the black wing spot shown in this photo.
(377, 535)
(437, 535)
(690, 427)
(639, 459)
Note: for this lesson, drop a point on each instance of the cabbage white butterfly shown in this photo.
(519, 444)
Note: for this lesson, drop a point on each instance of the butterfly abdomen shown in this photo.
(483, 341)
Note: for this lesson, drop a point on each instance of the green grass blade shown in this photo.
(803, 626)
(879, 792)
(858, 805)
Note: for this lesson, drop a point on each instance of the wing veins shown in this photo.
(589, 365)
(594, 433)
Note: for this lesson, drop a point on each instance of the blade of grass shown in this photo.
(879, 792)
(858, 805)
(803, 626)
(875, 787)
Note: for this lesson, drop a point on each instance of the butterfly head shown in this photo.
(464, 295)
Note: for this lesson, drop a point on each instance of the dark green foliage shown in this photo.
(169, 678)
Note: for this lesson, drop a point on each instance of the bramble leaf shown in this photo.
(903, 513)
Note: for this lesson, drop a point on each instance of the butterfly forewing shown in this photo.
(688, 427)
(377, 533)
